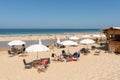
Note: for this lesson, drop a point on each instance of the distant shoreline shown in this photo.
(18, 35)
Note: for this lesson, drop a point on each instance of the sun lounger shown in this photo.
(10, 53)
(41, 64)
(97, 52)
(27, 65)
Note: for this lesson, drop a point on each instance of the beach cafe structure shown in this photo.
(113, 38)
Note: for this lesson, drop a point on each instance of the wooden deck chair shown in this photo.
(27, 65)
(11, 54)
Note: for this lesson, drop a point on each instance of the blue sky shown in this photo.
(59, 13)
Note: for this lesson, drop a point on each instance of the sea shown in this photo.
(23, 32)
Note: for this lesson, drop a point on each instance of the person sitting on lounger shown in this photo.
(64, 54)
(76, 55)
(13, 49)
(68, 53)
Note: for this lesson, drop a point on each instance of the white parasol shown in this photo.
(87, 41)
(74, 38)
(68, 43)
(16, 42)
(37, 48)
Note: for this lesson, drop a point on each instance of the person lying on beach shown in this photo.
(13, 51)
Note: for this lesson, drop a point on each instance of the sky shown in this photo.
(59, 13)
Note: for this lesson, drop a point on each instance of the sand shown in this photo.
(104, 66)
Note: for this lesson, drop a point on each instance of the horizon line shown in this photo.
(51, 28)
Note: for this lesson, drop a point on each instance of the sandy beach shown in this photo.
(60, 40)
(104, 66)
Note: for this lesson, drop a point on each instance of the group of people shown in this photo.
(66, 56)
(15, 50)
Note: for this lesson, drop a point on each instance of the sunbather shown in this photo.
(76, 55)
(65, 55)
